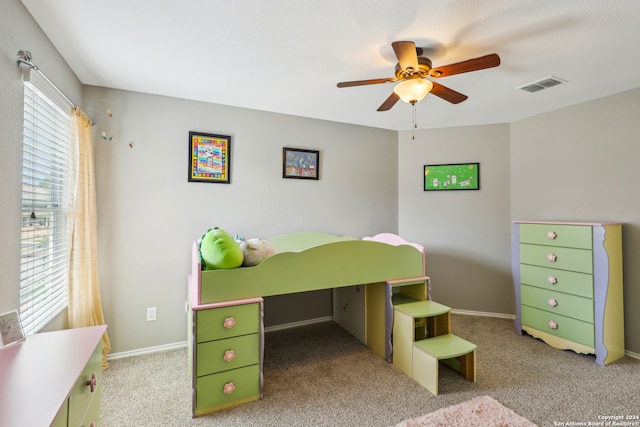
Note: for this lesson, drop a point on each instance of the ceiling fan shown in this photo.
(412, 71)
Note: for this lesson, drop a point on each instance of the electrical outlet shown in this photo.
(151, 314)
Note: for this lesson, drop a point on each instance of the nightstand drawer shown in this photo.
(568, 282)
(93, 411)
(561, 326)
(569, 236)
(580, 260)
(239, 384)
(83, 392)
(558, 303)
(230, 353)
(226, 322)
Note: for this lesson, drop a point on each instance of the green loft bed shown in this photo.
(310, 261)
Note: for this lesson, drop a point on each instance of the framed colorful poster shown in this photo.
(299, 163)
(456, 176)
(209, 158)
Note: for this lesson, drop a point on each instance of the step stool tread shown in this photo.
(445, 346)
(426, 308)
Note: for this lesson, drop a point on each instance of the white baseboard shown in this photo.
(483, 314)
(632, 354)
(147, 350)
(296, 324)
(174, 346)
(512, 317)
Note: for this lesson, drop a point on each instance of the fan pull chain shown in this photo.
(413, 136)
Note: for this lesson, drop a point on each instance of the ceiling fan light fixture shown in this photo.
(414, 90)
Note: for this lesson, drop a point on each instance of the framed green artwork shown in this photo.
(454, 176)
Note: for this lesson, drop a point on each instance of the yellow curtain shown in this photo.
(85, 305)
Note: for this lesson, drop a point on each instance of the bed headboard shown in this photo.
(311, 261)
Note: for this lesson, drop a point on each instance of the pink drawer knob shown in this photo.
(229, 388)
(229, 322)
(553, 325)
(551, 235)
(551, 258)
(552, 302)
(93, 382)
(229, 355)
(552, 280)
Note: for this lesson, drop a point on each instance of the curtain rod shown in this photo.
(25, 57)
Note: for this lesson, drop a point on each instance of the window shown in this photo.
(45, 209)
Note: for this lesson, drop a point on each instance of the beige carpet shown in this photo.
(320, 375)
(483, 411)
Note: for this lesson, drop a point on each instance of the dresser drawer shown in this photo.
(569, 236)
(93, 411)
(211, 388)
(566, 327)
(241, 319)
(568, 282)
(580, 260)
(558, 303)
(82, 392)
(62, 417)
(230, 353)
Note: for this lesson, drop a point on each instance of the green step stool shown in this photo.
(422, 339)
(427, 353)
(415, 321)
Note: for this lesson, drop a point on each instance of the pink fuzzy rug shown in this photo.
(482, 411)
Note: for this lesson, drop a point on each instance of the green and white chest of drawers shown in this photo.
(568, 286)
(226, 354)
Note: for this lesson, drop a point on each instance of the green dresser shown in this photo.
(568, 286)
(226, 352)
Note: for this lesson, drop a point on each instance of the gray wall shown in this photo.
(572, 164)
(577, 163)
(465, 233)
(581, 163)
(18, 31)
(149, 214)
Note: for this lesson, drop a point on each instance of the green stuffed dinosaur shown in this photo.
(219, 250)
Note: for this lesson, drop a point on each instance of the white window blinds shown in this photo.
(45, 205)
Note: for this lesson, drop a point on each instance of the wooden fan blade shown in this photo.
(487, 61)
(447, 94)
(407, 56)
(389, 102)
(366, 82)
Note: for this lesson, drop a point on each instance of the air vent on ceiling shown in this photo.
(541, 84)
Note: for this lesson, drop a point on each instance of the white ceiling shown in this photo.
(286, 56)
